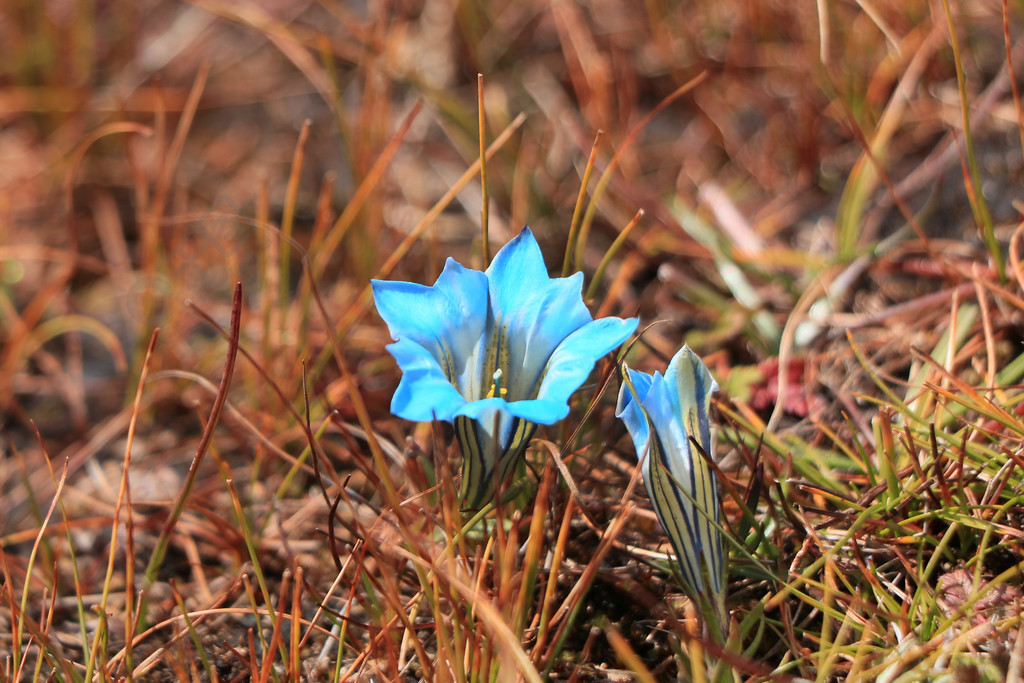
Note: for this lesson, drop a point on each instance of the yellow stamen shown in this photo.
(496, 388)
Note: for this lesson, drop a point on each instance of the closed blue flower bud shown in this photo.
(662, 415)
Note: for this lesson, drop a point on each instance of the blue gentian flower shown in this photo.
(662, 415)
(495, 352)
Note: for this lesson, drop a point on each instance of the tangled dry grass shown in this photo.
(830, 216)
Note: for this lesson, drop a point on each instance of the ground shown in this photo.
(200, 474)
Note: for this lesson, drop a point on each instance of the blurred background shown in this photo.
(821, 183)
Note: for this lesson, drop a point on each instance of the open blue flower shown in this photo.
(495, 352)
(662, 415)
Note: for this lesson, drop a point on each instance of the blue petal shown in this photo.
(532, 312)
(424, 393)
(662, 408)
(572, 361)
(677, 412)
(690, 385)
(629, 411)
(539, 410)
(478, 410)
(446, 319)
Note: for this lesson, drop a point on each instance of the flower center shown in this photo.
(496, 388)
